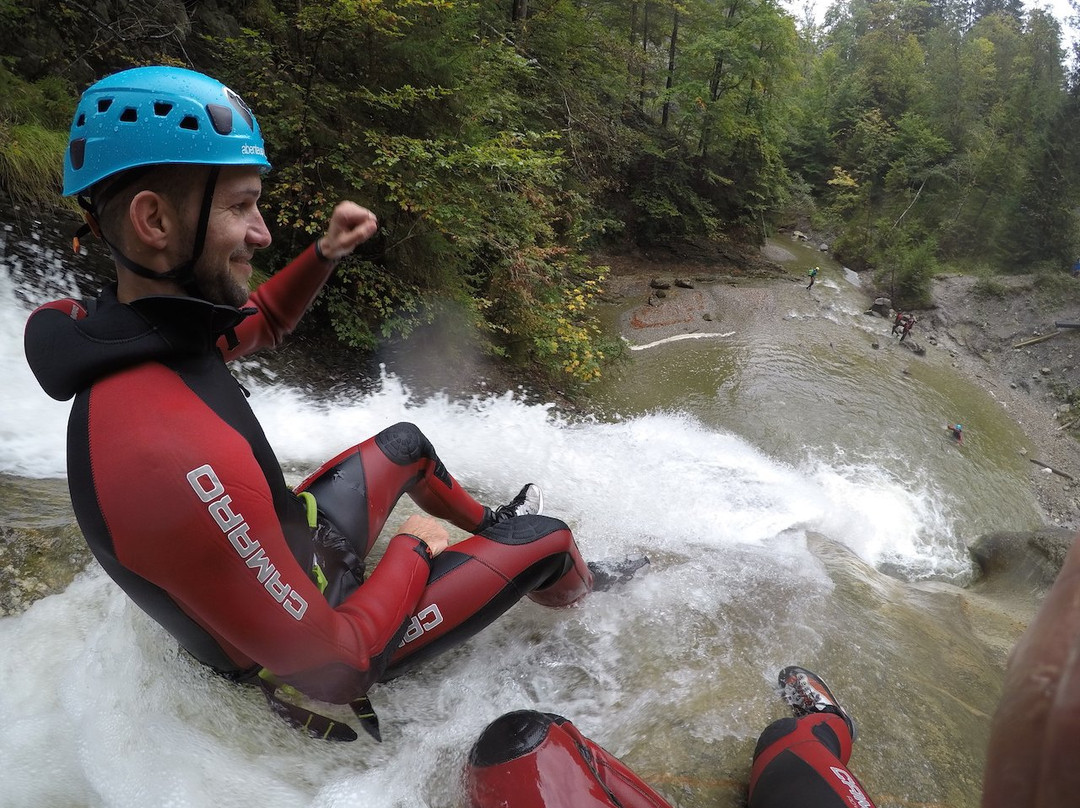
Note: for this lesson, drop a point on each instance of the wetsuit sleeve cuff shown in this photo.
(321, 256)
(421, 548)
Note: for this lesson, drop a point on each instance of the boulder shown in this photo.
(1021, 562)
(882, 306)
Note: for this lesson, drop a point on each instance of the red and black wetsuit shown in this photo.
(183, 503)
(528, 759)
(802, 763)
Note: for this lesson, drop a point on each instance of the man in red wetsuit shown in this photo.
(529, 759)
(174, 484)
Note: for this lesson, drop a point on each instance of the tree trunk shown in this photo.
(644, 55)
(671, 67)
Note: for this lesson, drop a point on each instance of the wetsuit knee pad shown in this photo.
(522, 755)
(774, 732)
(524, 529)
(404, 443)
(510, 736)
(825, 734)
(818, 729)
(530, 759)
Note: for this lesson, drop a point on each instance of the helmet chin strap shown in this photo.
(183, 274)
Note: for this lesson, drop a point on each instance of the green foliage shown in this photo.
(906, 268)
(989, 286)
(1055, 285)
(667, 205)
(559, 318)
(496, 150)
(29, 157)
(32, 141)
(366, 305)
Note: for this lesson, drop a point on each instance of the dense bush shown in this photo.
(500, 143)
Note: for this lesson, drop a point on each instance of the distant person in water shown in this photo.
(174, 484)
(529, 759)
(957, 432)
(813, 273)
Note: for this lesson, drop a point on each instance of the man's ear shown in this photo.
(153, 219)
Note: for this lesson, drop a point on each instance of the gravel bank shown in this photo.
(972, 328)
(979, 331)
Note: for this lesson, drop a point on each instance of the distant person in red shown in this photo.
(529, 759)
(909, 321)
(898, 322)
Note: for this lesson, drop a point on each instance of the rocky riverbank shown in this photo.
(979, 329)
(971, 325)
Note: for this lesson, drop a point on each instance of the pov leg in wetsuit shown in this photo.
(529, 759)
(801, 762)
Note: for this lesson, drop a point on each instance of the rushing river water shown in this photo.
(771, 476)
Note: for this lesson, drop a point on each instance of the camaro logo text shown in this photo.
(204, 482)
(856, 793)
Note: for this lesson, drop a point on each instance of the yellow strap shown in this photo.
(311, 506)
(320, 578)
(269, 679)
(312, 510)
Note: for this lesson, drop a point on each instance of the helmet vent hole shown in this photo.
(161, 109)
(220, 118)
(103, 104)
(81, 120)
(77, 152)
(190, 122)
(129, 115)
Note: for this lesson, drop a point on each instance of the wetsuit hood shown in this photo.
(71, 344)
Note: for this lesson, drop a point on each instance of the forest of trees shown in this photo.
(502, 143)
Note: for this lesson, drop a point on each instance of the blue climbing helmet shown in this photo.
(959, 428)
(154, 116)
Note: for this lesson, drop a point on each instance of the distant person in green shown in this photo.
(813, 276)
